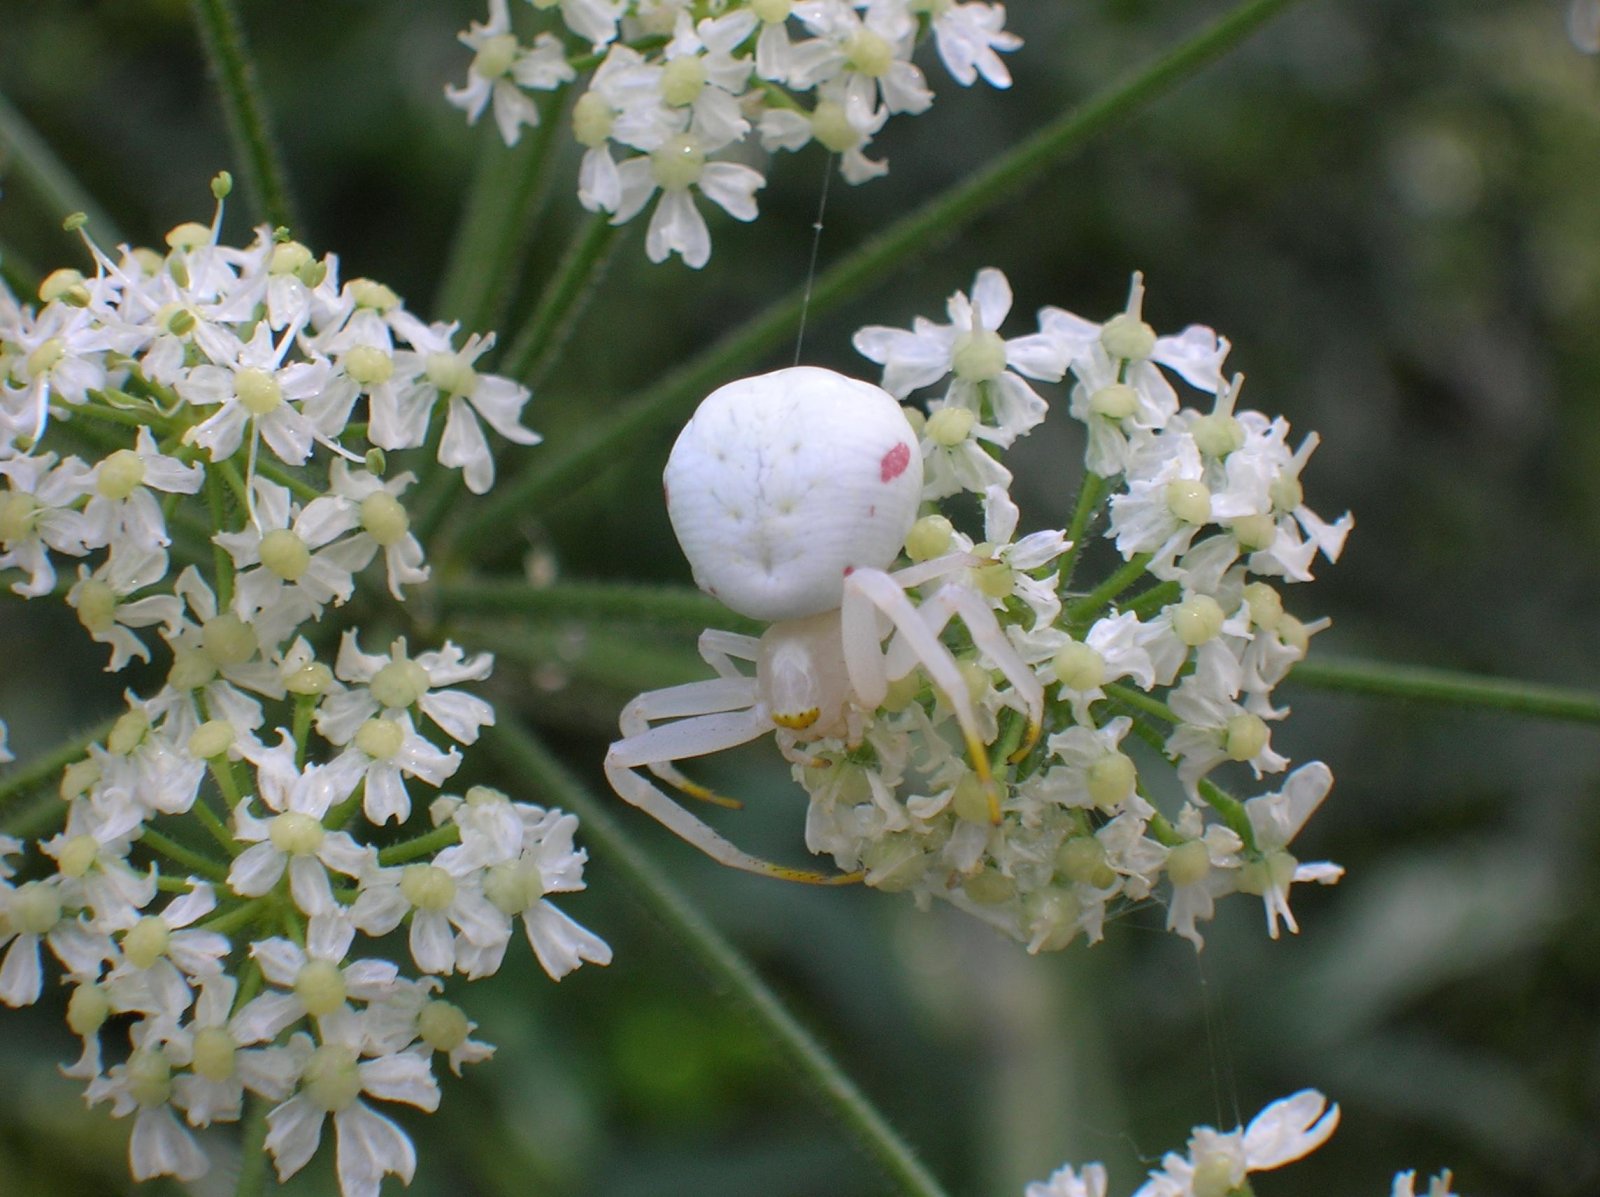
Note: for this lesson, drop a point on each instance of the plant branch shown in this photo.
(1420, 683)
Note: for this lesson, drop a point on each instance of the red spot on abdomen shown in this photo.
(894, 462)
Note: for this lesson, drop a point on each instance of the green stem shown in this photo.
(240, 916)
(265, 182)
(1156, 597)
(305, 707)
(588, 601)
(48, 177)
(1089, 496)
(185, 856)
(45, 767)
(656, 410)
(1231, 810)
(423, 845)
(1140, 701)
(509, 188)
(534, 348)
(214, 824)
(252, 1149)
(527, 758)
(1423, 684)
(1125, 576)
(216, 503)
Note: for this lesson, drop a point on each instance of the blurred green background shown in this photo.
(1393, 210)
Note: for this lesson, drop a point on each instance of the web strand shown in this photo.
(816, 246)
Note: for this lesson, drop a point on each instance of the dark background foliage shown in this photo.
(1390, 209)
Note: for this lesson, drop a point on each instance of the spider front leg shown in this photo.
(697, 735)
(720, 650)
(870, 591)
(731, 692)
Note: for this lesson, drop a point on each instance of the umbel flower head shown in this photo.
(683, 102)
(225, 872)
(974, 719)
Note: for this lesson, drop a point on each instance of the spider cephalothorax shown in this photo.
(792, 494)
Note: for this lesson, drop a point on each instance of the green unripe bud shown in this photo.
(949, 426)
(1082, 859)
(1110, 780)
(1266, 605)
(979, 356)
(146, 941)
(66, 285)
(831, 126)
(331, 1078)
(97, 606)
(87, 1009)
(368, 365)
(1127, 337)
(592, 119)
(1245, 737)
(1197, 619)
(869, 53)
(35, 908)
(682, 80)
(18, 513)
(495, 56)
(295, 833)
(211, 739)
(989, 888)
(452, 374)
(149, 1077)
(1189, 500)
(309, 680)
(128, 732)
(399, 684)
(258, 391)
(189, 235)
(930, 537)
(288, 257)
(1254, 532)
(679, 162)
(373, 295)
(120, 474)
(222, 184)
(285, 554)
(228, 640)
(1217, 434)
(971, 800)
(191, 669)
(427, 887)
(1078, 667)
(442, 1025)
(77, 856)
(320, 987)
(772, 12)
(1115, 402)
(78, 777)
(1188, 863)
(384, 519)
(214, 1052)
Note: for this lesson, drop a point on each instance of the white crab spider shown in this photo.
(791, 493)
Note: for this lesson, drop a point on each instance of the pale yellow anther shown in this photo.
(427, 887)
(1082, 859)
(65, 284)
(451, 373)
(949, 426)
(191, 669)
(368, 365)
(78, 777)
(495, 56)
(128, 732)
(1245, 736)
(1127, 337)
(989, 888)
(258, 391)
(77, 856)
(332, 1079)
(214, 1053)
(831, 126)
(295, 833)
(1190, 500)
(87, 1009)
(442, 1025)
(1217, 434)
(1078, 667)
(1117, 401)
(374, 295)
(683, 79)
(979, 355)
(679, 162)
(320, 987)
(120, 474)
(1188, 863)
(189, 235)
(288, 257)
(869, 53)
(146, 941)
(592, 120)
(384, 519)
(285, 554)
(1197, 619)
(228, 640)
(149, 1076)
(18, 515)
(97, 606)
(309, 680)
(399, 684)
(44, 358)
(1254, 532)
(35, 909)
(1110, 780)
(211, 739)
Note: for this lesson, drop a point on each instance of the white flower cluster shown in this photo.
(1218, 1164)
(245, 398)
(676, 83)
(1171, 659)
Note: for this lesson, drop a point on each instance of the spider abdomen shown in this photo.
(782, 484)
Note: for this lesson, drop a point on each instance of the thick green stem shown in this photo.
(588, 601)
(423, 845)
(1422, 684)
(527, 758)
(508, 189)
(1089, 496)
(43, 768)
(194, 861)
(252, 1149)
(1140, 701)
(1125, 576)
(1231, 810)
(553, 477)
(48, 177)
(265, 182)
